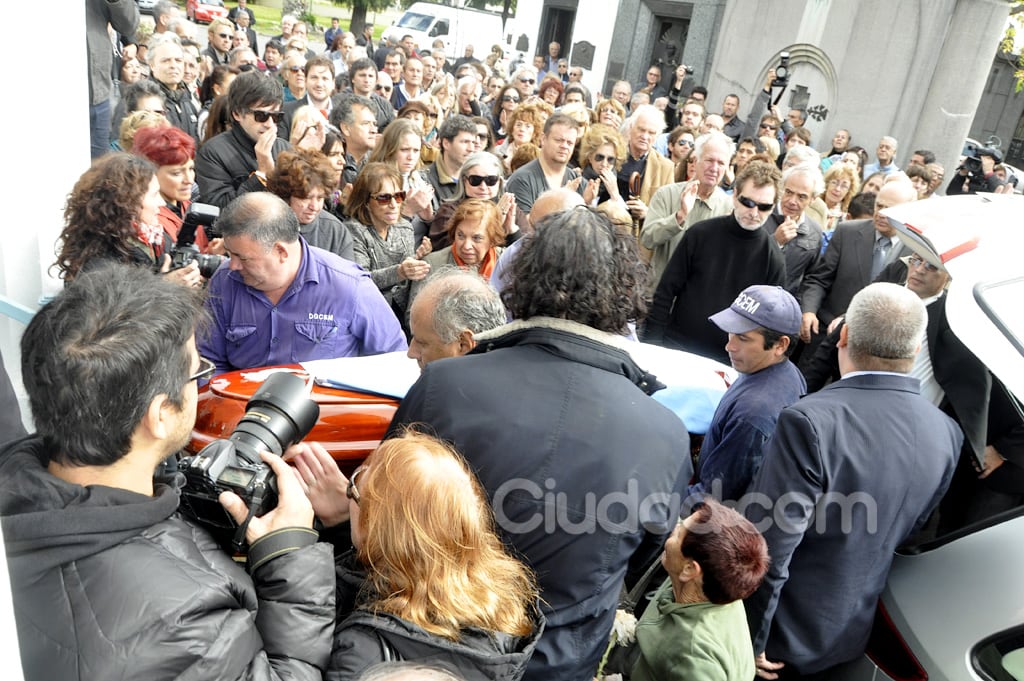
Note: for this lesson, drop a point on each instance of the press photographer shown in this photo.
(976, 172)
(108, 579)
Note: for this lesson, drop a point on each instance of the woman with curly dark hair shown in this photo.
(304, 178)
(111, 215)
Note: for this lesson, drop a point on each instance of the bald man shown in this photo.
(857, 252)
(453, 306)
(547, 203)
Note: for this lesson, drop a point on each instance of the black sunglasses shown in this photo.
(385, 199)
(601, 158)
(264, 116)
(750, 203)
(476, 180)
(384, 88)
(506, 98)
(531, 81)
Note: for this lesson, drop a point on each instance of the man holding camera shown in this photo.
(108, 579)
(977, 173)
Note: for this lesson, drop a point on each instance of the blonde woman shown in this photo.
(309, 128)
(400, 146)
(841, 185)
(434, 581)
(602, 152)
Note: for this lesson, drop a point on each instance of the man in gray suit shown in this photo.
(850, 473)
(858, 251)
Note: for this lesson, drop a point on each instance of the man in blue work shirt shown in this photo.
(279, 300)
(762, 324)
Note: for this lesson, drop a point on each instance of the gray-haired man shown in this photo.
(451, 308)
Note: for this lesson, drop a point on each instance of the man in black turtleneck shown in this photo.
(715, 260)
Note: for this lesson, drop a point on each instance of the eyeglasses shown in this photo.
(431, 115)
(601, 158)
(477, 180)
(385, 199)
(352, 492)
(506, 98)
(750, 203)
(839, 184)
(767, 126)
(294, 69)
(918, 261)
(531, 81)
(264, 116)
(685, 143)
(482, 136)
(206, 369)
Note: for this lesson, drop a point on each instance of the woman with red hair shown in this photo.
(174, 152)
(430, 579)
(476, 232)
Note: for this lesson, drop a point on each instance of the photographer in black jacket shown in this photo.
(109, 581)
(976, 172)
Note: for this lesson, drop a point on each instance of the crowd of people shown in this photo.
(515, 234)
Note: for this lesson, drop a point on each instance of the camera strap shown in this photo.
(238, 541)
(782, 91)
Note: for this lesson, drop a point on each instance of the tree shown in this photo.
(1009, 44)
(359, 9)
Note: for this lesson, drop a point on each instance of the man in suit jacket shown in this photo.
(849, 263)
(850, 473)
(989, 477)
(792, 228)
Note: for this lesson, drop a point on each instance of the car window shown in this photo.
(1001, 657)
(415, 22)
(1001, 302)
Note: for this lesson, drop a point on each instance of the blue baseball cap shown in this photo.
(760, 306)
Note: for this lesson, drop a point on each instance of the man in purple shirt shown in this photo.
(279, 300)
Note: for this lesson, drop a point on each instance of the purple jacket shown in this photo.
(332, 309)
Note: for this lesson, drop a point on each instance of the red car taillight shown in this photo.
(890, 652)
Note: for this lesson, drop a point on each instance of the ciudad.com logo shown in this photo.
(523, 506)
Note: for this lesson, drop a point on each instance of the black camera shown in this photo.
(279, 414)
(973, 154)
(976, 181)
(688, 69)
(185, 250)
(782, 71)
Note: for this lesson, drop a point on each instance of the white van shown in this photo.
(456, 26)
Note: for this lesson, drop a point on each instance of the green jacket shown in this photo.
(701, 641)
